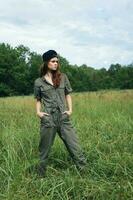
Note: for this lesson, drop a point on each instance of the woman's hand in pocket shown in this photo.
(41, 114)
(68, 112)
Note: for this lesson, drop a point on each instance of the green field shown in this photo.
(104, 124)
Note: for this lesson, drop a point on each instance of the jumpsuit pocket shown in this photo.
(64, 117)
(66, 121)
(46, 120)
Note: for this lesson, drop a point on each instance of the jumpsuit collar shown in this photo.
(44, 79)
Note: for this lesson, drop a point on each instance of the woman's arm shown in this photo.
(69, 103)
(38, 106)
(37, 96)
(38, 109)
(68, 90)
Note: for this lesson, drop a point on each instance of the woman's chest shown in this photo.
(48, 90)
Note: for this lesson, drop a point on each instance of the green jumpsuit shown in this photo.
(54, 103)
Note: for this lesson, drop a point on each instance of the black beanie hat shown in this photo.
(49, 54)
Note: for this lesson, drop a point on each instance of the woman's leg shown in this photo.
(69, 136)
(47, 136)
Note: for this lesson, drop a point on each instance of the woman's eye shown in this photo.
(54, 61)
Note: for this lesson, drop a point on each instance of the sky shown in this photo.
(97, 33)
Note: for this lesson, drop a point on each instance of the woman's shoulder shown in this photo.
(38, 81)
(63, 74)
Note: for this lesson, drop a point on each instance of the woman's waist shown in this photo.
(52, 109)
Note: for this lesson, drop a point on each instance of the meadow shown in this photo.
(104, 124)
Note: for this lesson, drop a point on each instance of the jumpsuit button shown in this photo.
(54, 109)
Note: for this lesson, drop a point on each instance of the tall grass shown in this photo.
(104, 124)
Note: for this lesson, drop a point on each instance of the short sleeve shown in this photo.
(68, 87)
(37, 91)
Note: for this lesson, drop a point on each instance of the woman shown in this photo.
(52, 91)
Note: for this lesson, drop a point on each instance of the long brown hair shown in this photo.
(56, 75)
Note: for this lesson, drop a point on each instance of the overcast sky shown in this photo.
(92, 32)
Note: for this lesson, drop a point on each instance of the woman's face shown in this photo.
(53, 63)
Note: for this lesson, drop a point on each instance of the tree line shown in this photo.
(19, 67)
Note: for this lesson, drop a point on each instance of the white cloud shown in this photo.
(96, 33)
